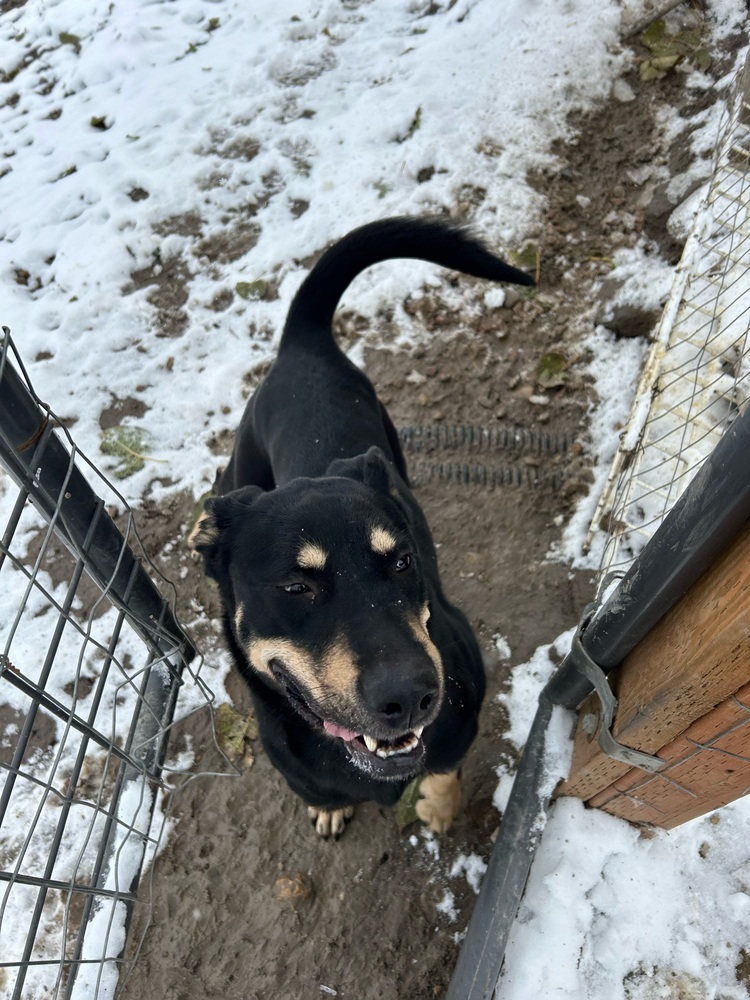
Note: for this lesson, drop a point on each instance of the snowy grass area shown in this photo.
(166, 170)
(145, 140)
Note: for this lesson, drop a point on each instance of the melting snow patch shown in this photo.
(472, 866)
(447, 906)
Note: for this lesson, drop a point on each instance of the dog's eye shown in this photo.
(402, 563)
(296, 588)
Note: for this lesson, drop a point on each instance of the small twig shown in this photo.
(137, 454)
(659, 11)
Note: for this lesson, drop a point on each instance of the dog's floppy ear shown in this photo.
(218, 514)
(373, 469)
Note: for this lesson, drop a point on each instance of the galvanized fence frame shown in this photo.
(76, 919)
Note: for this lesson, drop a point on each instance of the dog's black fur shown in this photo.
(334, 610)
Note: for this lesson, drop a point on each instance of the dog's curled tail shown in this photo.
(436, 240)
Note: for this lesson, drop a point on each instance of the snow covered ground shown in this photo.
(221, 121)
(612, 913)
(140, 140)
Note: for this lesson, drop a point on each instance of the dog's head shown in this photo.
(327, 597)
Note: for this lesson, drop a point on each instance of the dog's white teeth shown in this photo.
(371, 743)
(406, 747)
(418, 730)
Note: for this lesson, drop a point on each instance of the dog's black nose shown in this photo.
(401, 698)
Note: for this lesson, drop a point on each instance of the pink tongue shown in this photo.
(345, 734)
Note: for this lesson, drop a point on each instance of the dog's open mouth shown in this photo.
(388, 759)
(391, 758)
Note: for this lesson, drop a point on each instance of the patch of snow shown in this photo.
(472, 866)
(447, 906)
(502, 646)
(611, 914)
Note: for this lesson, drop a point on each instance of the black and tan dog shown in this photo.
(363, 675)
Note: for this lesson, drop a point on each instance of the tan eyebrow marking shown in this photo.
(382, 541)
(312, 556)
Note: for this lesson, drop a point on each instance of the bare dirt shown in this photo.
(246, 902)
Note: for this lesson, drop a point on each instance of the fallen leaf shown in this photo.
(294, 889)
(668, 50)
(232, 729)
(527, 257)
(405, 812)
(68, 38)
(552, 371)
(254, 290)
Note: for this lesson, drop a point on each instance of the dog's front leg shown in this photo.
(330, 822)
(441, 800)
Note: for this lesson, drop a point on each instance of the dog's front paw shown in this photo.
(440, 802)
(330, 822)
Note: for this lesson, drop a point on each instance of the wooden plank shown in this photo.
(692, 660)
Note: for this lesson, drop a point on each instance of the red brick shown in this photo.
(712, 724)
(654, 802)
(713, 777)
(678, 749)
(598, 800)
(736, 742)
(743, 695)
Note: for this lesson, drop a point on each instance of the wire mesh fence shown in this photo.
(695, 386)
(697, 377)
(91, 662)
